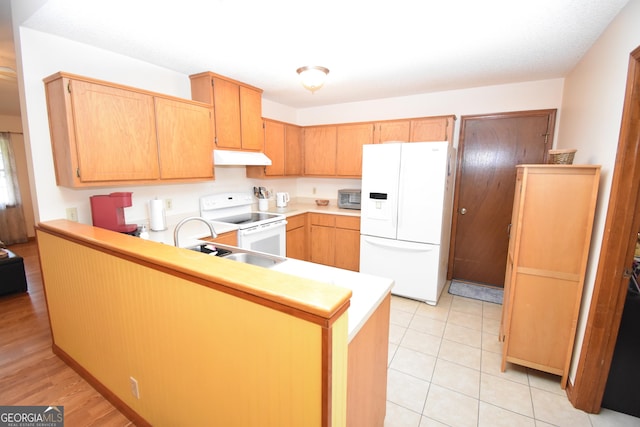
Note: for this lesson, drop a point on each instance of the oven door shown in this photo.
(270, 238)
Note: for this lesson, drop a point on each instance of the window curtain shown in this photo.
(12, 225)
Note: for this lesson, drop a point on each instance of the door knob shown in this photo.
(463, 211)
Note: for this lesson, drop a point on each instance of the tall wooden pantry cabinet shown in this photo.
(549, 241)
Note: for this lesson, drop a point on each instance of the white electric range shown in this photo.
(258, 231)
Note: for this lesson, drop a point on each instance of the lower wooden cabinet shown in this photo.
(335, 240)
(347, 249)
(297, 237)
(549, 241)
(230, 238)
(322, 238)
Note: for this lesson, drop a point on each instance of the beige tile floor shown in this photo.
(444, 370)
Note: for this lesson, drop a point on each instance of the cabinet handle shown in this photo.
(509, 230)
(463, 211)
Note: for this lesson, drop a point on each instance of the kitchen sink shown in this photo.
(207, 249)
(240, 255)
(254, 259)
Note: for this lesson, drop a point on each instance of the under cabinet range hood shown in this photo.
(239, 158)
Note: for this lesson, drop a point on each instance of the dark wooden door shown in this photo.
(489, 148)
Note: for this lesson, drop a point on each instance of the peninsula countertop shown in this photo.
(313, 287)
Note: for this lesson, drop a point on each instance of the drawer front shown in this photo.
(230, 238)
(296, 221)
(322, 219)
(348, 222)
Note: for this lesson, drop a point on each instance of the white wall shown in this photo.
(591, 117)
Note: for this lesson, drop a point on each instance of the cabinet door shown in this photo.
(551, 231)
(297, 237)
(185, 139)
(397, 130)
(226, 102)
(274, 147)
(347, 250)
(350, 139)
(229, 238)
(251, 119)
(322, 244)
(115, 133)
(297, 244)
(293, 151)
(320, 150)
(431, 129)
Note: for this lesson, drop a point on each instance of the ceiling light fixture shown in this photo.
(312, 76)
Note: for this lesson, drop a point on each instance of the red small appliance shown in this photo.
(107, 212)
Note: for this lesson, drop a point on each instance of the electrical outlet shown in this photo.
(72, 214)
(314, 190)
(168, 204)
(133, 383)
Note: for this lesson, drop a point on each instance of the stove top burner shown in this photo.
(247, 218)
(236, 209)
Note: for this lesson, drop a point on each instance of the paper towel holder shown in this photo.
(157, 218)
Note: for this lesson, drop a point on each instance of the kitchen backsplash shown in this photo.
(185, 197)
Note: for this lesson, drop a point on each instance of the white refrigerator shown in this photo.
(406, 203)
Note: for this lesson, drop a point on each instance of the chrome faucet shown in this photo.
(192, 218)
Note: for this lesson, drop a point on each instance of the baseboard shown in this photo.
(100, 388)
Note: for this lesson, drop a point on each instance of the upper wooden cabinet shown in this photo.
(251, 119)
(108, 134)
(394, 130)
(350, 139)
(179, 125)
(294, 151)
(335, 150)
(283, 145)
(274, 148)
(237, 110)
(424, 129)
(320, 150)
(432, 129)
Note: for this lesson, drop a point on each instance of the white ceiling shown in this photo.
(373, 48)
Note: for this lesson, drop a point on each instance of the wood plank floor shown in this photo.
(30, 374)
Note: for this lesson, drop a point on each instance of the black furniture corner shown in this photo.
(621, 392)
(12, 277)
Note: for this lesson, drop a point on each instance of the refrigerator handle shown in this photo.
(399, 245)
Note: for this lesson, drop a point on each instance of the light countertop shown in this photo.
(367, 291)
(194, 230)
(304, 205)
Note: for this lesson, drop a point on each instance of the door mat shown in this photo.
(479, 292)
